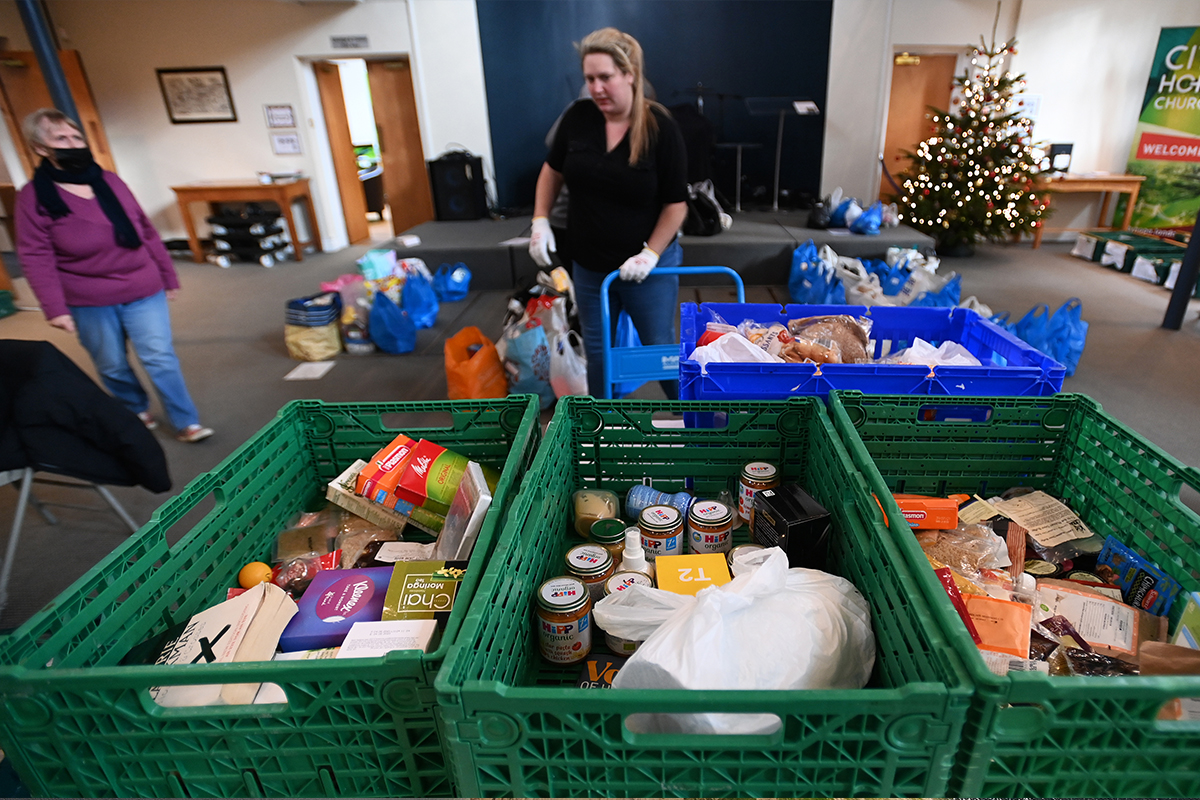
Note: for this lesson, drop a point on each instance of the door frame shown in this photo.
(334, 223)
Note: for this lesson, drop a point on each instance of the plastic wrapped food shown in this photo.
(968, 548)
(817, 351)
(852, 335)
(356, 533)
(1066, 661)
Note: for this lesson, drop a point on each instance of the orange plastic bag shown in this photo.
(473, 367)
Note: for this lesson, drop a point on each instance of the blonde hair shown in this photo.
(626, 54)
(32, 127)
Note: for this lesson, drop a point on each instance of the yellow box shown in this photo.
(690, 574)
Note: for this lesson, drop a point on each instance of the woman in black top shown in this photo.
(622, 158)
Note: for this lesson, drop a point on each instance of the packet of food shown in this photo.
(947, 580)
(1111, 627)
(853, 335)
(1067, 661)
(818, 350)
(1003, 625)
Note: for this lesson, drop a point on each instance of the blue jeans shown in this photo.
(104, 331)
(652, 305)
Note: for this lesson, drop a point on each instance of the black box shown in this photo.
(789, 518)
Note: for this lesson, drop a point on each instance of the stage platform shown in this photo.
(758, 246)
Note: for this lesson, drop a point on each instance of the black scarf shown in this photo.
(46, 175)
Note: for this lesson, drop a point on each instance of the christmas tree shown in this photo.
(973, 177)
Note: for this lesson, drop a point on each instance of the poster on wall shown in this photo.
(1166, 142)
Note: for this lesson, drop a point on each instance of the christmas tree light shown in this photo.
(982, 157)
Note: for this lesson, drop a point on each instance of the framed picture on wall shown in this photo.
(280, 116)
(286, 144)
(197, 94)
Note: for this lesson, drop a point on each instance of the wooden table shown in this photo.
(1106, 185)
(237, 191)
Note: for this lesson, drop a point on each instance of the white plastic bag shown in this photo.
(769, 628)
(568, 365)
(948, 354)
(731, 347)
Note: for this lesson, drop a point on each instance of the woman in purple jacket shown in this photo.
(99, 269)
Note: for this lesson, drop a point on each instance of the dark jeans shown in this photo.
(651, 304)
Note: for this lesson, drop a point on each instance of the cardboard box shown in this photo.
(423, 590)
(928, 513)
(340, 491)
(377, 480)
(431, 478)
(789, 518)
(690, 574)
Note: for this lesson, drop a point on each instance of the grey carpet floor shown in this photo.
(228, 333)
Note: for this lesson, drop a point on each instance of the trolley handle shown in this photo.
(606, 311)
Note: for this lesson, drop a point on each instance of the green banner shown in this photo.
(1166, 142)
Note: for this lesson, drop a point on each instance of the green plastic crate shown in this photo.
(1032, 735)
(517, 726)
(75, 723)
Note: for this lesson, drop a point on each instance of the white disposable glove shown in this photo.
(541, 242)
(638, 267)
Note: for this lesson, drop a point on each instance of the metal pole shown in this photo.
(41, 38)
(1185, 282)
(778, 156)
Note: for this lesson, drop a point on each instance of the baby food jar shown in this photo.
(662, 531)
(610, 534)
(564, 620)
(592, 565)
(756, 476)
(591, 505)
(619, 583)
(710, 526)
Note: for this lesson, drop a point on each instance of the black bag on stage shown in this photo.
(704, 212)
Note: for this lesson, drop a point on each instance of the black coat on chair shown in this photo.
(54, 418)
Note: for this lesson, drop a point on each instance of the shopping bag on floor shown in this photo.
(473, 368)
(1034, 327)
(1067, 334)
(809, 280)
(627, 336)
(527, 362)
(451, 283)
(390, 327)
(568, 365)
(419, 300)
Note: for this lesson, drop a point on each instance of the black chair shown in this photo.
(55, 419)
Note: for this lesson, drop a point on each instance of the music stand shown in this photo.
(783, 106)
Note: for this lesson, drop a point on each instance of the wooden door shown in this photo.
(915, 87)
(354, 201)
(24, 91)
(405, 180)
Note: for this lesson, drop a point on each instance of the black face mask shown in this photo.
(74, 159)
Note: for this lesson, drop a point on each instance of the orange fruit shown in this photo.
(253, 574)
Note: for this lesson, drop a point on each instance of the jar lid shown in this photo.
(660, 518)
(1040, 569)
(608, 531)
(624, 579)
(759, 471)
(1084, 575)
(710, 513)
(741, 548)
(586, 560)
(563, 595)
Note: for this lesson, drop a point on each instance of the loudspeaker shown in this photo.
(457, 181)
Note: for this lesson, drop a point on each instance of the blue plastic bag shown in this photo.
(808, 282)
(419, 300)
(627, 336)
(527, 365)
(891, 279)
(1067, 334)
(1002, 321)
(948, 296)
(391, 328)
(868, 222)
(837, 219)
(451, 283)
(1034, 328)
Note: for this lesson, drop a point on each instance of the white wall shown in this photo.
(266, 47)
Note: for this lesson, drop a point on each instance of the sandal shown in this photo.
(194, 433)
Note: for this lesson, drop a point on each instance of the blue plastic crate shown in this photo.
(1010, 366)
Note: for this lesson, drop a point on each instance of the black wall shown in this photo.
(735, 48)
